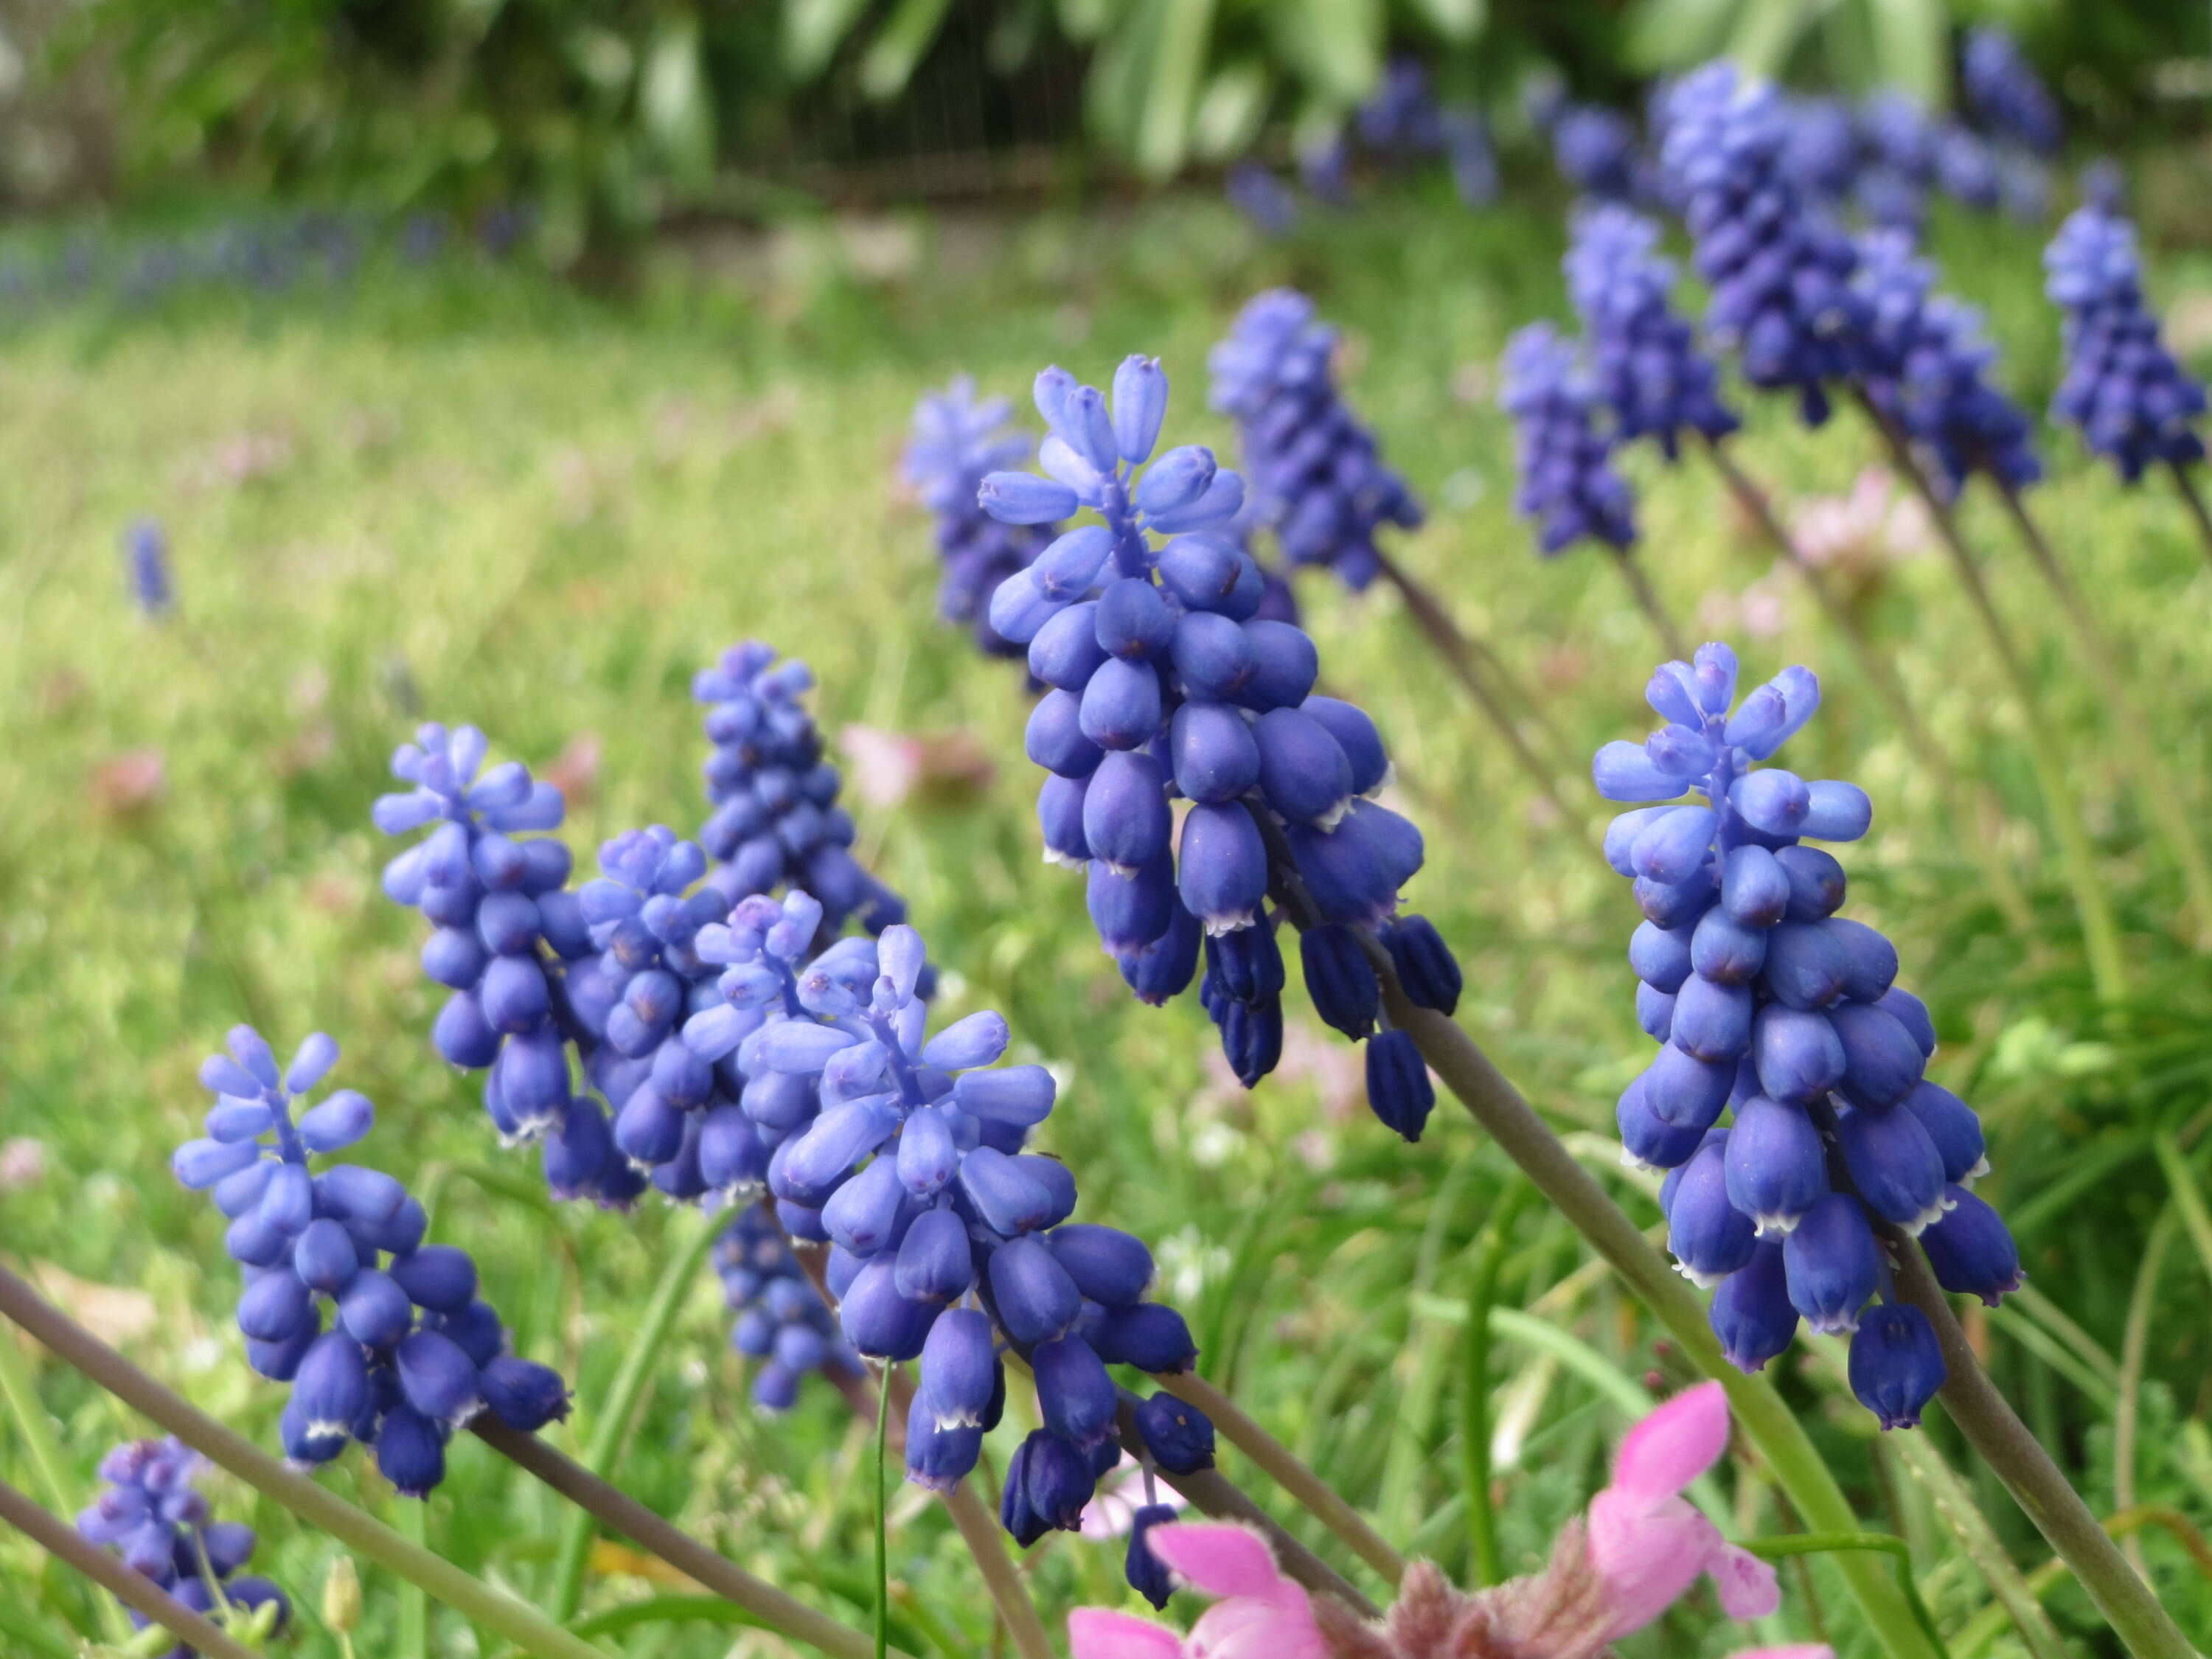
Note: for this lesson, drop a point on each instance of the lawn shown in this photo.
(459, 492)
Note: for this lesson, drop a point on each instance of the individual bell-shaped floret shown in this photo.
(1896, 1363)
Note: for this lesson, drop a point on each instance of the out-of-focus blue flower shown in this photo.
(1927, 364)
(1563, 457)
(1400, 121)
(956, 440)
(2105, 187)
(1778, 269)
(1166, 680)
(412, 1352)
(1253, 190)
(1820, 151)
(1645, 359)
(1769, 1005)
(2131, 399)
(1473, 158)
(146, 564)
(1311, 467)
(1968, 169)
(2006, 93)
(783, 1322)
(1596, 150)
(1324, 161)
(1901, 146)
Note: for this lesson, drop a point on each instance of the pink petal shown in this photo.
(1801, 1650)
(1219, 1559)
(1673, 1445)
(1097, 1633)
(1748, 1586)
(1649, 1554)
(1250, 1627)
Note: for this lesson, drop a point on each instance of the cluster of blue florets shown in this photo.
(2132, 401)
(2006, 93)
(146, 569)
(160, 1523)
(956, 440)
(1165, 682)
(1562, 451)
(1645, 363)
(1769, 1005)
(1925, 365)
(782, 1321)
(412, 1352)
(1311, 467)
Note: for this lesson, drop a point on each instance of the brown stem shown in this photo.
(1647, 601)
(128, 1585)
(1991, 1427)
(2186, 482)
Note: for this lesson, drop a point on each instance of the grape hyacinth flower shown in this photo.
(2123, 390)
(160, 1523)
(1166, 682)
(2006, 94)
(956, 440)
(1311, 468)
(146, 564)
(1324, 161)
(1470, 156)
(1966, 169)
(1900, 147)
(1768, 1004)
(1645, 360)
(782, 1321)
(1926, 369)
(1596, 150)
(1820, 153)
(1254, 192)
(947, 1240)
(412, 1352)
(1399, 122)
(1564, 458)
(1778, 269)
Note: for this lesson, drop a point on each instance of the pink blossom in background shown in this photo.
(1113, 1507)
(1260, 1615)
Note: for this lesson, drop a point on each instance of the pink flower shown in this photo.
(1801, 1650)
(1648, 1544)
(1262, 1614)
(1113, 1507)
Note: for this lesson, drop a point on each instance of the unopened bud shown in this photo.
(341, 1595)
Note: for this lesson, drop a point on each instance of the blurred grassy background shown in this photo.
(457, 491)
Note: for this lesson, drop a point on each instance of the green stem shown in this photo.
(2162, 794)
(1826, 1543)
(475, 1600)
(610, 1431)
(414, 1620)
(20, 1384)
(2186, 482)
(979, 1530)
(1647, 601)
(1474, 1392)
(2134, 1351)
(2100, 932)
(883, 1523)
(128, 1586)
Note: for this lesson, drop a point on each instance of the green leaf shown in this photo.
(1913, 48)
(1336, 45)
(675, 101)
(1765, 32)
(1456, 19)
(1230, 110)
(892, 56)
(1171, 85)
(666, 1610)
(1664, 34)
(812, 32)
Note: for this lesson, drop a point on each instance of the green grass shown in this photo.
(489, 499)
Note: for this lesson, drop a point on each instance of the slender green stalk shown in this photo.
(883, 1525)
(2186, 482)
(2161, 793)
(1647, 601)
(2134, 1351)
(611, 1429)
(1881, 1543)
(979, 1530)
(2188, 1196)
(1474, 1391)
(20, 1385)
(2100, 933)
(414, 1611)
(493, 1608)
(129, 1587)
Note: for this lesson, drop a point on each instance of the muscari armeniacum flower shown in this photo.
(1900, 144)
(1926, 364)
(1820, 151)
(146, 567)
(1167, 682)
(411, 1352)
(783, 1322)
(1401, 121)
(956, 440)
(948, 1242)
(1562, 454)
(1644, 358)
(1779, 270)
(160, 1523)
(1311, 465)
(1596, 150)
(2005, 93)
(1771, 1007)
(2126, 394)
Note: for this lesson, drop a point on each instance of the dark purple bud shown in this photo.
(1075, 1397)
(276, 1308)
(1121, 706)
(324, 1259)
(1054, 739)
(1754, 888)
(1035, 1297)
(1150, 1336)
(1161, 971)
(1777, 1165)
(300, 1447)
(1399, 1090)
(375, 1311)
(474, 1330)
(1126, 822)
(1709, 1237)
(1972, 1250)
(331, 1387)
(1832, 1264)
(436, 1378)
(1894, 1164)
(877, 1319)
(440, 1277)
(1109, 1266)
(1048, 1484)
(1751, 1313)
(1881, 1062)
(1147, 1574)
(1661, 958)
(1649, 1139)
(1896, 1365)
(1711, 1021)
(1955, 1128)
(1686, 1091)
(1131, 911)
(1304, 771)
(1427, 971)
(1725, 950)
(410, 1451)
(1179, 1437)
(1805, 965)
(522, 1394)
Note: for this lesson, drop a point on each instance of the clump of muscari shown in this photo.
(956, 440)
(1254, 192)
(1645, 357)
(782, 1321)
(1926, 363)
(1900, 147)
(2006, 93)
(146, 569)
(1312, 468)
(1779, 270)
(1596, 150)
(160, 1523)
(1400, 120)
(947, 1240)
(2131, 399)
(1769, 1005)
(1820, 153)
(1165, 682)
(1563, 456)
(412, 1352)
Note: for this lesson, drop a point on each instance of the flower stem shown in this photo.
(2186, 482)
(979, 1530)
(1474, 1392)
(883, 1527)
(1284, 1469)
(1882, 1543)
(612, 1427)
(1647, 601)
(2162, 794)
(20, 1384)
(414, 1611)
(1994, 1430)
(131, 1587)
(493, 1608)
(2100, 932)
(620, 1512)
(1881, 674)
